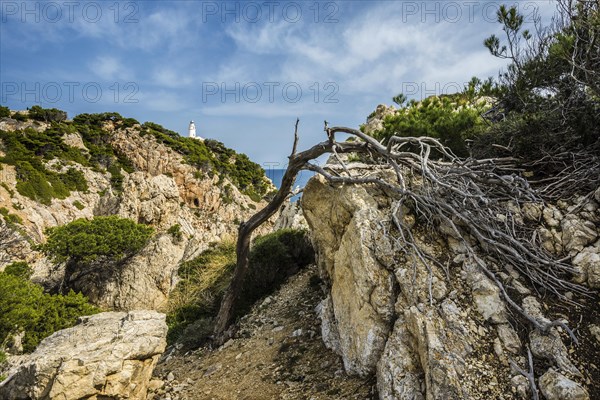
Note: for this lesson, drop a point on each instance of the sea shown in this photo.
(276, 175)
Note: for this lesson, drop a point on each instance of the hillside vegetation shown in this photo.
(29, 150)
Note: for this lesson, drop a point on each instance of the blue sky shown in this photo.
(242, 70)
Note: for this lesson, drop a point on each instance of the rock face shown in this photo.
(164, 191)
(106, 356)
(432, 331)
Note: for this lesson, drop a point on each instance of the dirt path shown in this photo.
(277, 353)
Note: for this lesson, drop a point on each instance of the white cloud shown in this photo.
(109, 68)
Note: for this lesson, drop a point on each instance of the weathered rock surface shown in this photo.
(429, 332)
(163, 192)
(106, 356)
(555, 386)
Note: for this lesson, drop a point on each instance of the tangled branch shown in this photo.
(478, 200)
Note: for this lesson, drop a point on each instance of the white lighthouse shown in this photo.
(192, 131)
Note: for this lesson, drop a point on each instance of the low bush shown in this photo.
(82, 241)
(24, 307)
(196, 299)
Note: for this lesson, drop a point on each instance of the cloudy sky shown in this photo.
(243, 70)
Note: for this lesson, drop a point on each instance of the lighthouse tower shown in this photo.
(192, 130)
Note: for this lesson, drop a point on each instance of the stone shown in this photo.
(595, 331)
(370, 295)
(521, 387)
(532, 211)
(577, 234)
(552, 348)
(555, 386)
(587, 267)
(552, 216)
(107, 355)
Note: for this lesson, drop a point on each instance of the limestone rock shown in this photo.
(587, 266)
(362, 293)
(577, 234)
(108, 355)
(555, 386)
(291, 217)
(552, 348)
(398, 375)
(552, 216)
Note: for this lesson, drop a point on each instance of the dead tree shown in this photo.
(469, 196)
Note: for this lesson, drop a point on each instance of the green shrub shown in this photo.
(451, 119)
(103, 238)
(78, 205)
(4, 112)
(10, 218)
(47, 114)
(202, 284)
(19, 117)
(273, 258)
(8, 189)
(25, 307)
(175, 231)
(19, 269)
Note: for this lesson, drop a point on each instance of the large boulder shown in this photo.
(428, 323)
(106, 356)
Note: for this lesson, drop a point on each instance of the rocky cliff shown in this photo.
(109, 355)
(439, 328)
(162, 190)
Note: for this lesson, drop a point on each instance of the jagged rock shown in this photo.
(521, 387)
(532, 211)
(357, 254)
(555, 386)
(509, 338)
(74, 140)
(329, 330)
(291, 217)
(552, 216)
(551, 347)
(375, 120)
(577, 234)
(398, 376)
(144, 282)
(108, 355)
(439, 346)
(486, 295)
(587, 266)
(597, 195)
(595, 331)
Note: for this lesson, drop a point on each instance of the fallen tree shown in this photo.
(472, 197)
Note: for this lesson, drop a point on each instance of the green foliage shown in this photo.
(96, 139)
(19, 117)
(27, 150)
(19, 269)
(202, 285)
(103, 238)
(25, 307)
(549, 92)
(451, 119)
(4, 112)
(47, 114)
(175, 231)
(78, 205)
(273, 258)
(212, 156)
(10, 218)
